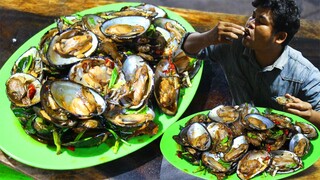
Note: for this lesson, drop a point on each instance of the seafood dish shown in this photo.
(99, 76)
(249, 142)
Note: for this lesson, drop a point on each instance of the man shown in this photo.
(257, 61)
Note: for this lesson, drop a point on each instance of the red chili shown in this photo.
(71, 148)
(109, 63)
(267, 158)
(31, 91)
(286, 131)
(268, 147)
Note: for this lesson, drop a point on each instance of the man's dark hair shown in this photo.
(285, 15)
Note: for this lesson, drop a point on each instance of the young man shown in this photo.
(257, 61)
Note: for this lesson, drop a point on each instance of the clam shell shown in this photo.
(284, 161)
(57, 60)
(67, 94)
(17, 89)
(253, 163)
(307, 130)
(129, 69)
(224, 114)
(198, 137)
(221, 136)
(30, 63)
(300, 145)
(132, 21)
(258, 122)
(239, 147)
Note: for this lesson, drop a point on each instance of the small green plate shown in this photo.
(20, 146)
(169, 149)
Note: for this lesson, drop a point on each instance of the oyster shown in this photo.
(300, 145)
(70, 47)
(23, 90)
(127, 27)
(224, 114)
(92, 22)
(253, 163)
(284, 161)
(176, 29)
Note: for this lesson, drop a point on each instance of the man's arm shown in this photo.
(223, 32)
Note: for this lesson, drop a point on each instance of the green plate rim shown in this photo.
(169, 148)
(17, 144)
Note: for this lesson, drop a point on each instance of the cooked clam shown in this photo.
(70, 47)
(30, 63)
(307, 130)
(284, 161)
(139, 77)
(258, 122)
(126, 27)
(198, 137)
(23, 90)
(221, 136)
(282, 100)
(214, 162)
(77, 99)
(224, 114)
(300, 145)
(239, 147)
(253, 163)
(167, 87)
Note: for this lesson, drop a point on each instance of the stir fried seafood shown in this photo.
(101, 75)
(247, 142)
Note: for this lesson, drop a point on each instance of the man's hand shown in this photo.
(302, 109)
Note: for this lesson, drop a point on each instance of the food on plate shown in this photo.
(257, 142)
(94, 76)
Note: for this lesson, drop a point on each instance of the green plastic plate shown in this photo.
(20, 146)
(169, 150)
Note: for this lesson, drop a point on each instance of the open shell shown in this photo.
(77, 99)
(284, 161)
(23, 90)
(124, 28)
(253, 163)
(224, 114)
(258, 122)
(300, 145)
(63, 52)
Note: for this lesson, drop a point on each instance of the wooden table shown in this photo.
(21, 19)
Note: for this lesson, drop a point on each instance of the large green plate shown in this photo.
(169, 150)
(18, 145)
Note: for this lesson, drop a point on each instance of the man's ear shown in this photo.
(281, 37)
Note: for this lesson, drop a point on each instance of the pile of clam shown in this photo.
(99, 72)
(242, 140)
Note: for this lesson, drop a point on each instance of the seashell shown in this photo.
(224, 114)
(253, 163)
(23, 90)
(258, 122)
(77, 99)
(239, 147)
(196, 136)
(62, 50)
(307, 130)
(221, 136)
(124, 28)
(299, 144)
(284, 161)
